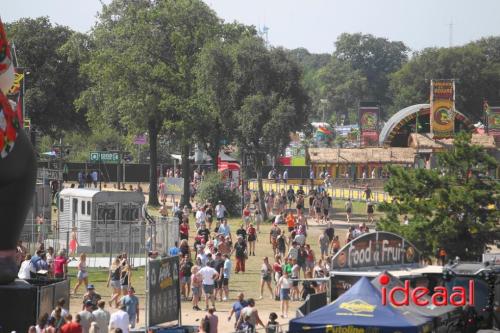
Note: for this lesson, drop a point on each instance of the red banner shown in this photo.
(368, 125)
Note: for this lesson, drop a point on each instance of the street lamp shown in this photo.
(324, 103)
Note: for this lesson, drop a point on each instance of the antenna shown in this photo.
(263, 32)
(451, 32)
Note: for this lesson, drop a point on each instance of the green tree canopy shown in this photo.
(53, 82)
(475, 67)
(449, 206)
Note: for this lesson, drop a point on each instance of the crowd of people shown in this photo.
(93, 317)
(208, 260)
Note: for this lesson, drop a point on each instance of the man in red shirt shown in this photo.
(71, 326)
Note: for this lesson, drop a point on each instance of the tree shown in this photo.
(213, 189)
(214, 80)
(270, 103)
(192, 24)
(343, 88)
(53, 82)
(449, 206)
(359, 70)
(131, 74)
(475, 66)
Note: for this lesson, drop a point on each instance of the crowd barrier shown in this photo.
(355, 194)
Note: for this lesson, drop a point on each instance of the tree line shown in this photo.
(174, 70)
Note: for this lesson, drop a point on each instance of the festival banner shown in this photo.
(493, 119)
(368, 125)
(442, 108)
(376, 249)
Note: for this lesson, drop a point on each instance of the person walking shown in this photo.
(273, 237)
(209, 276)
(348, 209)
(196, 283)
(252, 238)
(236, 309)
(252, 313)
(240, 249)
(119, 320)
(272, 325)
(82, 274)
(61, 265)
(265, 277)
(114, 281)
(86, 316)
(72, 326)
(185, 268)
(101, 316)
(246, 215)
(125, 276)
(91, 296)
(131, 303)
(324, 244)
(213, 320)
(284, 285)
(370, 210)
(228, 265)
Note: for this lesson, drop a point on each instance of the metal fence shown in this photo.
(102, 241)
(282, 328)
(355, 194)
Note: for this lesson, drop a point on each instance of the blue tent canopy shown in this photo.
(360, 310)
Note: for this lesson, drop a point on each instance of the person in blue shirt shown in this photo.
(224, 229)
(131, 303)
(237, 307)
(174, 250)
(226, 274)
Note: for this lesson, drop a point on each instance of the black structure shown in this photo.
(23, 301)
(486, 277)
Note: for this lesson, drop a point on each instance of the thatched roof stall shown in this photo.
(426, 141)
(390, 155)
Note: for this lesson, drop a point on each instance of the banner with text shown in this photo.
(368, 125)
(376, 249)
(164, 290)
(494, 120)
(173, 186)
(442, 108)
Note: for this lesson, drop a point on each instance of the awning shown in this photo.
(228, 166)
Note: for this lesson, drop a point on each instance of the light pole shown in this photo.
(324, 103)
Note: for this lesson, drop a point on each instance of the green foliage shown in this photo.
(142, 69)
(449, 206)
(475, 66)
(213, 189)
(53, 82)
(359, 70)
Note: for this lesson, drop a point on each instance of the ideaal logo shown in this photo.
(419, 295)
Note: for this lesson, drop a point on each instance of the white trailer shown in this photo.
(103, 221)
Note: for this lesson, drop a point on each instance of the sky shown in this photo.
(314, 24)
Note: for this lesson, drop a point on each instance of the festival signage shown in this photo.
(173, 186)
(368, 125)
(442, 108)
(494, 120)
(164, 290)
(376, 249)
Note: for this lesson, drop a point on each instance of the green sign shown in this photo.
(104, 156)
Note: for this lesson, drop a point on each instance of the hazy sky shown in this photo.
(314, 24)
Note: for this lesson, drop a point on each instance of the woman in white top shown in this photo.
(25, 270)
(284, 285)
